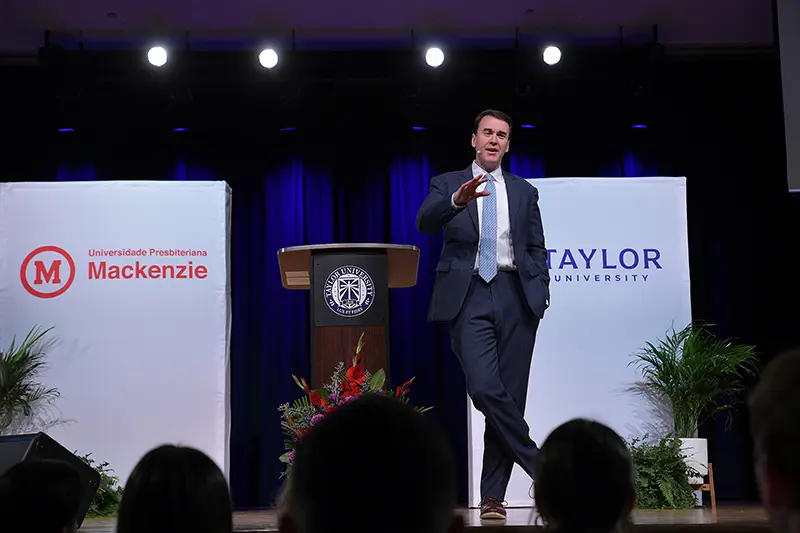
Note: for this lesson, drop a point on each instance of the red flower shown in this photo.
(301, 383)
(317, 400)
(350, 389)
(356, 374)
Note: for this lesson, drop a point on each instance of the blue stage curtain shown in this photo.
(303, 199)
(289, 206)
(420, 348)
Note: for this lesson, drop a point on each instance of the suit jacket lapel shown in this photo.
(472, 207)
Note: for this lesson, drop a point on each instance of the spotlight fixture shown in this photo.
(551, 55)
(434, 57)
(157, 56)
(268, 58)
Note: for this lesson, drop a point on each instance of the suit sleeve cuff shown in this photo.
(453, 203)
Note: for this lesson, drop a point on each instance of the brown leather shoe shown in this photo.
(492, 509)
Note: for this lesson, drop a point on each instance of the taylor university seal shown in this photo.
(349, 291)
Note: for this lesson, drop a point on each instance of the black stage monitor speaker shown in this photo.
(17, 448)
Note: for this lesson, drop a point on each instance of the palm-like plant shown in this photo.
(697, 373)
(21, 394)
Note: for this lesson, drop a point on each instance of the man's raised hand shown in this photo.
(468, 192)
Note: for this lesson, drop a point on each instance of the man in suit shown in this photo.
(492, 288)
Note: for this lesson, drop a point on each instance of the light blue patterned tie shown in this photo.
(487, 262)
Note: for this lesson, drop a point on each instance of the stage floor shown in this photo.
(727, 519)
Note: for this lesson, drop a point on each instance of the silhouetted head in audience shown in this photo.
(775, 427)
(41, 495)
(175, 488)
(584, 479)
(373, 465)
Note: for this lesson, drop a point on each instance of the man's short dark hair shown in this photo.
(374, 463)
(499, 115)
(42, 495)
(774, 421)
(175, 488)
(584, 457)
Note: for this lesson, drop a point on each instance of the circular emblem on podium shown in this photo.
(349, 291)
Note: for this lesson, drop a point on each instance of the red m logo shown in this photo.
(50, 275)
(40, 272)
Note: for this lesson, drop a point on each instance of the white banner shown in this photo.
(619, 270)
(134, 279)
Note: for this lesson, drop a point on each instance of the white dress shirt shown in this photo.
(505, 250)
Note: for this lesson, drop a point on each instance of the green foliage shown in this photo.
(109, 494)
(22, 396)
(377, 381)
(662, 476)
(696, 373)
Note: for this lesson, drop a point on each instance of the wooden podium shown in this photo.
(349, 285)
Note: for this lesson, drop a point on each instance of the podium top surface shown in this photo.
(295, 262)
(347, 246)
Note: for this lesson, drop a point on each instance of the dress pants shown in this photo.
(493, 337)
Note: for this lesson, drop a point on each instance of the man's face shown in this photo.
(491, 142)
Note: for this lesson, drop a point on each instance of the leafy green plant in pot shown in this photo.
(24, 400)
(698, 376)
(661, 473)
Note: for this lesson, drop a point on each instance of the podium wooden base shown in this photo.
(335, 344)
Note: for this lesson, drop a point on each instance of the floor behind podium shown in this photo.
(727, 519)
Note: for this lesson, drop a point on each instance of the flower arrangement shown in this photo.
(345, 385)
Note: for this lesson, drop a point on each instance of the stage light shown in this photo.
(528, 127)
(180, 129)
(418, 128)
(65, 130)
(434, 57)
(639, 126)
(289, 129)
(551, 55)
(157, 56)
(268, 58)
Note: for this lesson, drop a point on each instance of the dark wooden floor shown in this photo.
(727, 519)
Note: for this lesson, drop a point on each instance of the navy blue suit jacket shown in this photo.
(457, 261)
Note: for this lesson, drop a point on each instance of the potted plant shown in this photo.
(661, 473)
(24, 401)
(697, 376)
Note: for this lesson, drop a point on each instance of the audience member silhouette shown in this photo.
(175, 488)
(42, 496)
(775, 427)
(373, 465)
(585, 479)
